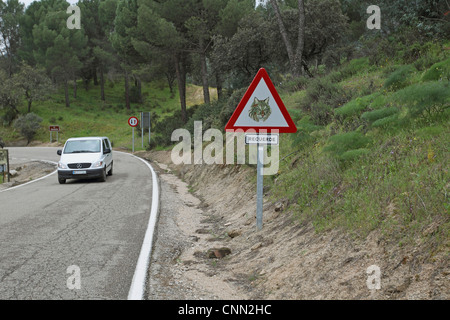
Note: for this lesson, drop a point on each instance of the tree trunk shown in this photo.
(219, 86)
(170, 83)
(74, 88)
(283, 32)
(94, 74)
(29, 100)
(127, 91)
(181, 79)
(102, 85)
(301, 36)
(204, 68)
(139, 86)
(295, 58)
(171, 77)
(66, 93)
(10, 67)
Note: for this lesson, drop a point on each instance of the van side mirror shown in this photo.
(106, 151)
(59, 152)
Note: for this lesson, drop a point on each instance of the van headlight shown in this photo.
(61, 165)
(97, 164)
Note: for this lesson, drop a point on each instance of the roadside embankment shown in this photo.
(208, 247)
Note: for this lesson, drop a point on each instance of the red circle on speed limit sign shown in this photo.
(133, 122)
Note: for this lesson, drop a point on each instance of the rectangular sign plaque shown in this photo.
(269, 139)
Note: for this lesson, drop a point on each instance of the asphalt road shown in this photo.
(80, 240)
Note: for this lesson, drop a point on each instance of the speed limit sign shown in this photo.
(133, 122)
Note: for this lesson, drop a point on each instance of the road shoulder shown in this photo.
(180, 267)
(25, 172)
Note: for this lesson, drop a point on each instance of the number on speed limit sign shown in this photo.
(133, 122)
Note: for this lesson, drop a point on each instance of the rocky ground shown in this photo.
(207, 247)
(23, 172)
(26, 172)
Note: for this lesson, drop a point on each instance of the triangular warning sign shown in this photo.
(261, 108)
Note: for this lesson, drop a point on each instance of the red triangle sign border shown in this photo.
(262, 74)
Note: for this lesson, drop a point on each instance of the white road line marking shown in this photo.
(137, 289)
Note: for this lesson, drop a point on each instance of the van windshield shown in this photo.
(83, 146)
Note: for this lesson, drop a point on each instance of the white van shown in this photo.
(85, 158)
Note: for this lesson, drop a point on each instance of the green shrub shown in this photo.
(353, 67)
(322, 96)
(28, 125)
(206, 113)
(428, 99)
(163, 128)
(353, 154)
(304, 129)
(356, 106)
(438, 71)
(399, 78)
(295, 84)
(385, 121)
(295, 114)
(351, 108)
(378, 102)
(340, 144)
(430, 53)
(228, 108)
(336, 76)
(9, 116)
(321, 113)
(373, 116)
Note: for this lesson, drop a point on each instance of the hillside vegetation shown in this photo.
(90, 116)
(372, 150)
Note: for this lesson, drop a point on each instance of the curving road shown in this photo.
(81, 240)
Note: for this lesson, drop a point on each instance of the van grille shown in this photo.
(79, 165)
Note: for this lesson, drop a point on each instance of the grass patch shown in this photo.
(378, 163)
(88, 115)
(399, 186)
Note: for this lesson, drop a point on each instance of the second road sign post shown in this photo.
(261, 109)
(145, 124)
(54, 129)
(133, 123)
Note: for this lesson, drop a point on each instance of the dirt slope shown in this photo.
(208, 247)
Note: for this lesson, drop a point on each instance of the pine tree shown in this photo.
(56, 47)
(11, 12)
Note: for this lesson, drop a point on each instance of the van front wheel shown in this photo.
(103, 177)
(110, 172)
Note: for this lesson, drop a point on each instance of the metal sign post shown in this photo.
(261, 140)
(133, 123)
(142, 130)
(145, 124)
(4, 162)
(261, 109)
(259, 187)
(54, 129)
